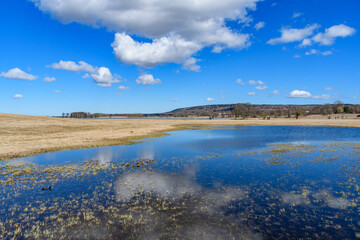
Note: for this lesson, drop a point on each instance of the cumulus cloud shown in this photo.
(18, 96)
(103, 77)
(147, 79)
(330, 34)
(307, 35)
(123, 88)
(190, 64)
(240, 81)
(317, 52)
(261, 87)
(276, 92)
(305, 42)
(323, 96)
(81, 66)
(170, 49)
(17, 73)
(326, 53)
(209, 99)
(296, 14)
(259, 26)
(311, 52)
(329, 88)
(57, 91)
(180, 27)
(100, 75)
(251, 93)
(49, 79)
(252, 82)
(294, 34)
(299, 94)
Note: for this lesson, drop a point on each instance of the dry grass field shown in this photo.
(22, 135)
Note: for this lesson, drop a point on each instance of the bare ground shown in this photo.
(22, 135)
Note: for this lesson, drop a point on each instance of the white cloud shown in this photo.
(209, 99)
(252, 82)
(305, 42)
(259, 26)
(18, 96)
(86, 75)
(171, 49)
(329, 88)
(251, 93)
(260, 82)
(147, 79)
(190, 64)
(57, 91)
(103, 77)
(180, 27)
(299, 94)
(49, 79)
(261, 87)
(312, 52)
(328, 38)
(326, 53)
(17, 73)
(294, 34)
(317, 52)
(324, 96)
(81, 66)
(275, 92)
(175, 100)
(123, 88)
(296, 14)
(240, 81)
(100, 75)
(297, 56)
(104, 85)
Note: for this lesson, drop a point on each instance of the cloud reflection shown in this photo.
(202, 210)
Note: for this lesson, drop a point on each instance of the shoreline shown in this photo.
(22, 135)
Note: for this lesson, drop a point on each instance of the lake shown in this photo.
(253, 182)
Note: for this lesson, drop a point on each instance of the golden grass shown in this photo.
(22, 135)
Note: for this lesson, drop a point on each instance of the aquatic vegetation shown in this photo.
(286, 190)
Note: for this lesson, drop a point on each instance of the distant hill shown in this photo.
(229, 108)
(237, 110)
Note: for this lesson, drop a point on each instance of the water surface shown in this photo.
(219, 183)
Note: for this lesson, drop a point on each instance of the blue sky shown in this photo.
(155, 56)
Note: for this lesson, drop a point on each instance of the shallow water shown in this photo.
(220, 183)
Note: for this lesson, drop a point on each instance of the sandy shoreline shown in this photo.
(22, 135)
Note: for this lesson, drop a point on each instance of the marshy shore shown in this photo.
(23, 135)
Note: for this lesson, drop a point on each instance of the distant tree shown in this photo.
(326, 109)
(298, 112)
(238, 110)
(243, 110)
(347, 109)
(264, 114)
(289, 113)
(63, 115)
(339, 110)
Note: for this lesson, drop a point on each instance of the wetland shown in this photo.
(239, 182)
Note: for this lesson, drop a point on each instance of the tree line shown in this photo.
(247, 110)
(241, 110)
